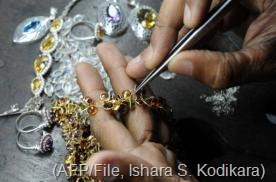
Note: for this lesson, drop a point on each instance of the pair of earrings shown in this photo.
(46, 140)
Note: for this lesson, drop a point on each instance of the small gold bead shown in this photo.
(104, 96)
(126, 94)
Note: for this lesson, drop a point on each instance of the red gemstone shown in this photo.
(155, 103)
(88, 100)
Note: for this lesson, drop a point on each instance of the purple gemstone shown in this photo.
(113, 14)
(46, 143)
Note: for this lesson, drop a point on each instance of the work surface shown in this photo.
(247, 134)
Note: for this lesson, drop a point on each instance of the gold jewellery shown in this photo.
(124, 103)
(73, 119)
(81, 144)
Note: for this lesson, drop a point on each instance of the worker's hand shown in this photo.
(216, 69)
(128, 143)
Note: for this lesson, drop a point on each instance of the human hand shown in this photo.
(129, 142)
(253, 62)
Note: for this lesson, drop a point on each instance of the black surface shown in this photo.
(245, 137)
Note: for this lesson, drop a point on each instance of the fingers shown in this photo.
(218, 69)
(92, 86)
(164, 36)
(103, 124)
(139, 121)
(195, 11)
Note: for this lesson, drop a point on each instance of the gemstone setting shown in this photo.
(143, 20)
(37, 85)
(31, 29)
(147, 17)
(31, 26)
(49, 43)
(42, 64)
(46, 143)
(56, 25)
(112, 17)
(113, 13)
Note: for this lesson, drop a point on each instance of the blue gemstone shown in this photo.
(31, 26)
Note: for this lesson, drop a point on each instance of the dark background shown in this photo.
(244, 138)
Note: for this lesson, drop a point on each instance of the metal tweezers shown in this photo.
(191, 38)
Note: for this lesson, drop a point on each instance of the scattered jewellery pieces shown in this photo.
(45, 145)
(73, 119)
(74, 122)
(223, 101)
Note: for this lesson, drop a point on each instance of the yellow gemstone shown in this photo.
(48, 42)
(147, 17)
(56, 24)
(40, 63)
(36, 84)
(100, 32)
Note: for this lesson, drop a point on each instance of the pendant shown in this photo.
(143, 20)
(112, 17)
(31, 29)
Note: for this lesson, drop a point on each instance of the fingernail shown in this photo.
(186, 67)
(187, 14)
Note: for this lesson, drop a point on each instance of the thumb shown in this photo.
(164, 36)
(222, 69)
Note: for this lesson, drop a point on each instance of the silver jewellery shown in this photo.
(44, 115)
(45, 143)
(112, 17)
(33, 28)
(142, 20)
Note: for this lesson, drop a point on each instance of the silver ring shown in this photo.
(44, 115)
(112, 17)
(45, 143)
(87, 24)
(142, 20)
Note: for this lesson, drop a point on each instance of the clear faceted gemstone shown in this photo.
(49, 89)
(67, 87)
